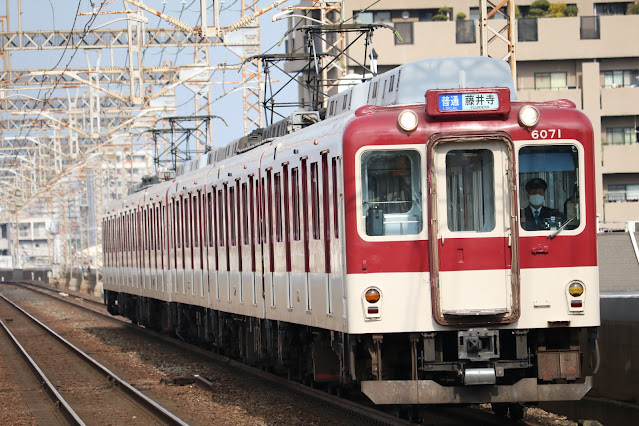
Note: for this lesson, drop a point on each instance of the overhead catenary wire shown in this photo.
(46, 91)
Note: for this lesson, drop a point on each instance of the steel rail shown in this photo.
(153, 406)
(468, 416)
(349, 407)
(51, 390)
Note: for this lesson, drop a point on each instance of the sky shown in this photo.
(61, 15)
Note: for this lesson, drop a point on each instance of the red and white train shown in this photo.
(386, 245)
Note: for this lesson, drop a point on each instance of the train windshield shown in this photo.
(549, 187)
(391, 192)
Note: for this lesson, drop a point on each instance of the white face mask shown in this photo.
(536, 200)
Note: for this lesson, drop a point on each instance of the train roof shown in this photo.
(408, 83)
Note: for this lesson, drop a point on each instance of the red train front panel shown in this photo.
(471, 241)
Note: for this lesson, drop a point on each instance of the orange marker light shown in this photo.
(372, 295)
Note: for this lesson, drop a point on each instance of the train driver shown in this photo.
(533, 217)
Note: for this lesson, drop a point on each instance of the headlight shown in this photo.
(576, 289)
(408, 120)
(528, 116)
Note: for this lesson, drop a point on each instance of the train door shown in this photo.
(472, 212)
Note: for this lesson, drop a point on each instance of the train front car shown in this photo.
(471, 240)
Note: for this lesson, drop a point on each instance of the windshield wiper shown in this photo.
(561, 228)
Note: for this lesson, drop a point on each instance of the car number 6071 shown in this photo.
(546, 134)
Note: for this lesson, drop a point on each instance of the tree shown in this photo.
(445, 11)
(633, 9)
(517, 12)
(572, 10)
(461, 16)
(557, 10)
(539, 9)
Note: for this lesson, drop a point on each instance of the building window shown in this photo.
(589, 29)
(465, 31)
(527, 29)
(620, 78)
(405, 30)
(550, 80)
(620, 135)
(364, 17)
(622, 193)
(373, 17)
(382, 17)
(426, 15)
(618, 8)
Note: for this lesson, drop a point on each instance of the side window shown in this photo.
(278, 207)
(470, 191)
(188, 220)
(220, 221)
(315, 201)
(549, 187)
(209, 213)
(231, 212)
(296, 203)
(392, 192)
(195, 219)
(335, 204)
(245, 214)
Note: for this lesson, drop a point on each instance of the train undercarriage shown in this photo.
(468, 366)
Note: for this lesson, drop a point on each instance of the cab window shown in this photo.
(549, 187)
(391, 192)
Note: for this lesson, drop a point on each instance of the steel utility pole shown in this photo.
(498, 37)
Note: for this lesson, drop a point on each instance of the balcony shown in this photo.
(430, 40)
(557, 38)
(560, 38)
(620, 212)
(620, 159)
(24, 234)
(620, 101)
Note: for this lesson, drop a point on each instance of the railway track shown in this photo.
(83, 389)
(352, 410)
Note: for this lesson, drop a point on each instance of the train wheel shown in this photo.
(500, 410)
(517, 411)
(414, 415)
(336, 389)
(309, 381)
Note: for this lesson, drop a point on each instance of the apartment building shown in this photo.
(591, 58)
(33, 243)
